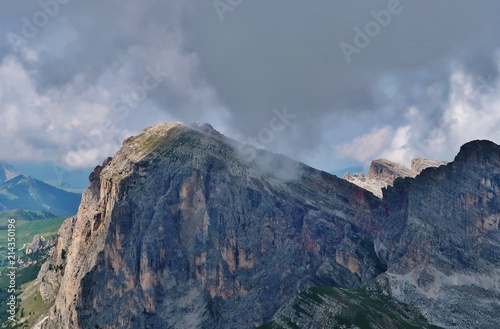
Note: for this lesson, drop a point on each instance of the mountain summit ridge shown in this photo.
(179, 230)
(28, 193)
(384, 172)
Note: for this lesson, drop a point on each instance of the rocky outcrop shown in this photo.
(38, 243)
(441, 239)
(373, 185)
(52, 270)
(177, 230)
(419, 164)
(383, 173)
(387, 171)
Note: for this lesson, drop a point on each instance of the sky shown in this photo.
(333, 84)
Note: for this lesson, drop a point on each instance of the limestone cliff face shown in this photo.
(441, 238)
(419, 164)
(177, 231)
(383, 173)
(387, 171)
(438, 234)
(38, 243)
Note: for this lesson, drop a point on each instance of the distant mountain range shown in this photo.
(28, 193)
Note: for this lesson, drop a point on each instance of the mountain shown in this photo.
(64, 186)
(7, 172)
(384, 172)
(178, 230)
(27, 193)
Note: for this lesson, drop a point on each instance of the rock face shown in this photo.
(441, 238)
(37, 244)
(419, 164)
(383, 173)
(387, 171)
(373, 185)
(178, 231)
(52, 271)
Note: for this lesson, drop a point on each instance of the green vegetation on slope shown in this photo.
(371, 307)
(28, 302)
(25, 215)
(32, 308)
(28, 224)
(25, 231)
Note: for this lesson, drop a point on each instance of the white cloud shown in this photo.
(393, 101)
(367, 146)
(68, 125)
(472, 112)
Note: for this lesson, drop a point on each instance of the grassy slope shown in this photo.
(335, 308)
(28, 224)
(25, 231)
(28, 295)
(35, 309)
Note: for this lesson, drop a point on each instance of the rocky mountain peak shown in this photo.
(387, 171)
(477, 151)
(178, 222)
(178, 231)
(383, 173)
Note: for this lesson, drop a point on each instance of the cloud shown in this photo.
(405, 94)
(75, 90)
(365, 147)
(471, 112)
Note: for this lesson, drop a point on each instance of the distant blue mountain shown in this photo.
(27, 193)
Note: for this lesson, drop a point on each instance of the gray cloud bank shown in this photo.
(420, 79)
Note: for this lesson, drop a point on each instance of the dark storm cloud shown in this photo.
(266, 55)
